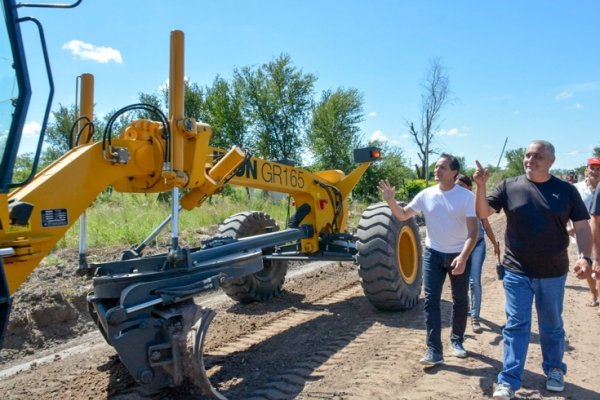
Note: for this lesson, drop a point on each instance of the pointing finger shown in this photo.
(478, 165)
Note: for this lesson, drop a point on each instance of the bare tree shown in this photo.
(435, 96)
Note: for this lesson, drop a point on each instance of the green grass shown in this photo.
(118, 219)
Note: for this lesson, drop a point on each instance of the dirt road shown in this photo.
(323, 340)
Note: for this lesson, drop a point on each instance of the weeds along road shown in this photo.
(322, 340)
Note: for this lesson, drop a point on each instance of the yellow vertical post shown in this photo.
(86, 108)
(176, 177)
(176, 100)
(86, 118)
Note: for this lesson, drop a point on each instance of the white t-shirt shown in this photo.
(586, 194)
(446, 214)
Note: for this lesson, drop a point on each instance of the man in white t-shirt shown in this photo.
(452, 233)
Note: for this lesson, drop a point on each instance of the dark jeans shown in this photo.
(436, 266)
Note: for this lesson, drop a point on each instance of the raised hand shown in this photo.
(387, 190)
(481, 174)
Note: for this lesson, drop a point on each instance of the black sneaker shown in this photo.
(431, 358)
(476, 325)
(458, 350)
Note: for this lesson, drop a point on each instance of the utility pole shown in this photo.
(500, 158)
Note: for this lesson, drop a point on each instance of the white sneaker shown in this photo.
(503, 392)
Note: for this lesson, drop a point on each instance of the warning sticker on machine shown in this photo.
(54, 217)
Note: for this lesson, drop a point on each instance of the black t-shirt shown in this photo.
(536, 219)
(595, 208)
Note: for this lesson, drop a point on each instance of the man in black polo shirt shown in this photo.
(538, 207)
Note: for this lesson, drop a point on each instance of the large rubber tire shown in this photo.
(389, 258)
(266, 283)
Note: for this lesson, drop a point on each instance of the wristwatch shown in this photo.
(587, 259)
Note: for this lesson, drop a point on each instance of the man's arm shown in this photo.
(583, 236)
(460, 262)
(482, 207)
(388, 192)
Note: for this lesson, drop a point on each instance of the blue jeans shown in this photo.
(520, 292)
(477, 258)
(436, 266)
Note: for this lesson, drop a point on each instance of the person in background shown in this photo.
(586, 189)
(451, 227)
(537, 206)
(477, 259)
(595, 225)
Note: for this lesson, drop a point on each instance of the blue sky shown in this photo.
(521, 70)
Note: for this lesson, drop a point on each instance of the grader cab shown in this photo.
(144, 305)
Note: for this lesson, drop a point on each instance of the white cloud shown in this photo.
(87, 51)
(454, 132)
(32, 128)
(378, 135)
(573, 89)
(373, 114)
(565, 94)
(578, 105)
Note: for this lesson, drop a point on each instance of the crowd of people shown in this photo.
(542, 213)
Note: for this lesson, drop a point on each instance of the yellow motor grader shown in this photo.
(144, 305)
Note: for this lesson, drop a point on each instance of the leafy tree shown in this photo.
(155, 100)
(434, 97)
(596, 151)
(409, 189)
(515, 162)
(279, 100)
(58, 136)
(23, 165)
(224, 112)
(392, 167)
(194, 100)
(334, 131)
